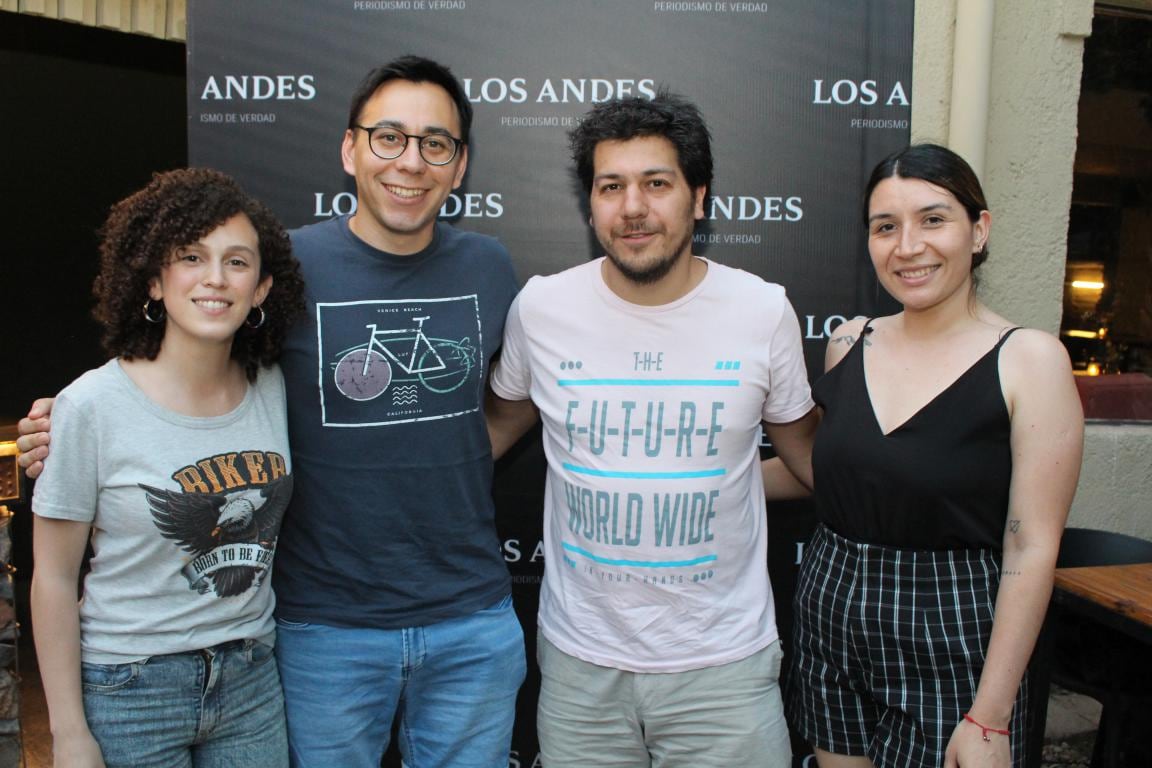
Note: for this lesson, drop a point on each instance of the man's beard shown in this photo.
(654, 271)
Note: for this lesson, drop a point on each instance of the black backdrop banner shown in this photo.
(803, 98)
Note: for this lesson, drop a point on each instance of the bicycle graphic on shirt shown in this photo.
(365, 371)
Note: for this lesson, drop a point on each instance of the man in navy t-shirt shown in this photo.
(392, 594)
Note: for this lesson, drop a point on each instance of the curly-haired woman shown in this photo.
(173, 459)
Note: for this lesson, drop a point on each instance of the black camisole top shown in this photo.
(938, 481)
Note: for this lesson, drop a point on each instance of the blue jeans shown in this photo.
(216, 708)
(453, 684)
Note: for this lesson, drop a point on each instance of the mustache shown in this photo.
(637, 229)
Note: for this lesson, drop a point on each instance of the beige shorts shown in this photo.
(717, 716)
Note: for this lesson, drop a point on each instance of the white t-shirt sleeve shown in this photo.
(511, 375)
(789, 396)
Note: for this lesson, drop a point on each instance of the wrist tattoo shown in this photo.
(1014, 526)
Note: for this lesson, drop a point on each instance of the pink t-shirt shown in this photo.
(654, 512)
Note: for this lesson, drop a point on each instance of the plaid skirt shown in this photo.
(888, 646)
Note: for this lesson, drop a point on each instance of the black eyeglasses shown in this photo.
(388, 144)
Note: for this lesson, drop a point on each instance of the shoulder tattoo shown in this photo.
(848, 339)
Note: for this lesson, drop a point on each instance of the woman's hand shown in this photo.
(967, 748)
(76, 751)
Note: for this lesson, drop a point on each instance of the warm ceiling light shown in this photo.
(1095, 285)
(1081, 334)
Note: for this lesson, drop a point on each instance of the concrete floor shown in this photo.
(1070, 730)
(1070, 715)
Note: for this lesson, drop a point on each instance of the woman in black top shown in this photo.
(944, 469)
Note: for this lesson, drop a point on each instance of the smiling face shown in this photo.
(398, 199)
(209, 287)
(921, 242)
(643, 209)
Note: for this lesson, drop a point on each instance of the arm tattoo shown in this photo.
(1014, 526)
(848, 339)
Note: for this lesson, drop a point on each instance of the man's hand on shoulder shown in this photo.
(33, 440)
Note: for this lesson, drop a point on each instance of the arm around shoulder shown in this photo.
(508, 420)
(793, 444)
(779, 483)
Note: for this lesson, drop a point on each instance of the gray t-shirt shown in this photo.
(185, 513)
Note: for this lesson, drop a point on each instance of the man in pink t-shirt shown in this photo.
(653, 371)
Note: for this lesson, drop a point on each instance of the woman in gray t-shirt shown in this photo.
(173, 459)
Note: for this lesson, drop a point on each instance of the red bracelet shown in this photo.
(985, 730)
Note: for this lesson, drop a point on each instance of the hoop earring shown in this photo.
(148, 317)
(248, 321)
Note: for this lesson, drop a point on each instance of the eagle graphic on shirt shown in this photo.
(231, 535)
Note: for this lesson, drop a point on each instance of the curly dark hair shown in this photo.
(667, 115)
(175, 209)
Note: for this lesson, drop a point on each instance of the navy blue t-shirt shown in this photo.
(392, 522)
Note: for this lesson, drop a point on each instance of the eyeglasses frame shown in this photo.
(456, 143)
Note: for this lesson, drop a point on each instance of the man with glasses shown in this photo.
(392, 593)
(392, 596)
